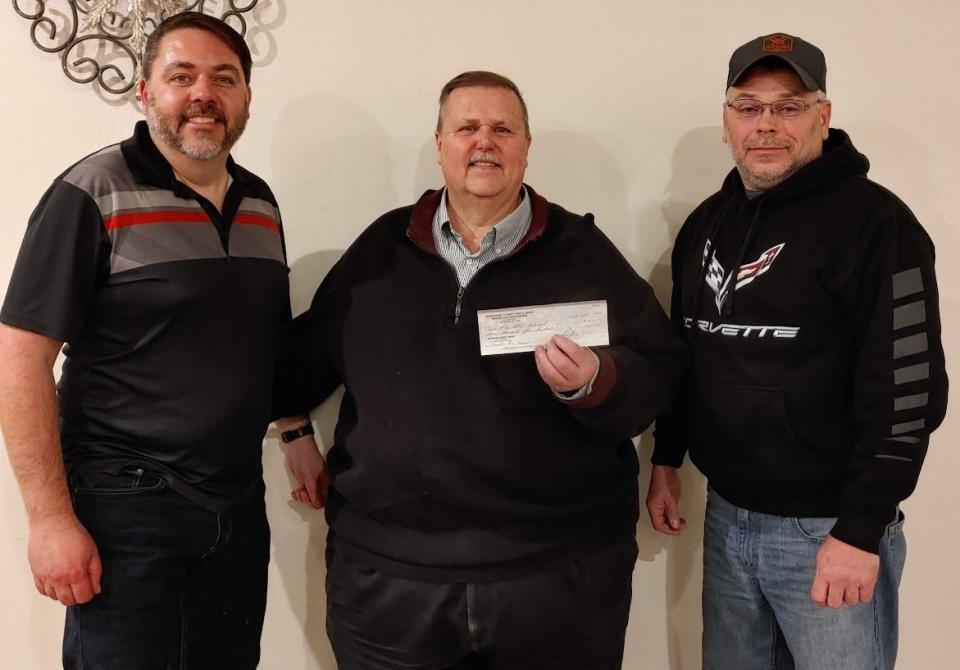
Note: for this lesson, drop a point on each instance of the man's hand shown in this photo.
(845, 575)
(564, 365)
(64, 560)
(308, 468)
(663, 500)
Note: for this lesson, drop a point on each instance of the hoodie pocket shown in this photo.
(745, 439)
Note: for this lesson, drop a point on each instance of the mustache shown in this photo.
(483, 156)
(766, 143)
(209, 108)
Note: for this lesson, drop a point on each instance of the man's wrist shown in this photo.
(296, 433)
(586, 389)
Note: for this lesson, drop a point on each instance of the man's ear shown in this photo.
(142, 94)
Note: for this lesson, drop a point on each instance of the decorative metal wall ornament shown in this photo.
(102, 44)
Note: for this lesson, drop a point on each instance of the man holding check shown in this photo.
(494, 495)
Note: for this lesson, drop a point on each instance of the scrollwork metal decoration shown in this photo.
(100, 43)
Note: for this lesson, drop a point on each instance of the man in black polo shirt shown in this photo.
(160, 263)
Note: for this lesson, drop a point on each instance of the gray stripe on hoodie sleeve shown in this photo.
(907, 346)
(908, 427)
(907, 283)
(910, 401)
(911, 373)
(909, 315)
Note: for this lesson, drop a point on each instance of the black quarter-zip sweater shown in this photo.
(818, 372)
(450, 466)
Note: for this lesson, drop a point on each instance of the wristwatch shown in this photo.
(294, 433)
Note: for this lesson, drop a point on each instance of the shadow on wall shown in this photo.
(700, 163)
(579, 173)
(427, 174)
(339, 170)
(306, 273)
(307, 596)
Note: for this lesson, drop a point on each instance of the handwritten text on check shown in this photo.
(518, 329)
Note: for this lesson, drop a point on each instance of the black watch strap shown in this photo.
(293, 434)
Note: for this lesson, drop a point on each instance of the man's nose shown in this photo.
(484, 136)
(202, 89)
(767, 121)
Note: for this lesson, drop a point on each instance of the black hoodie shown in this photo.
(817, 380)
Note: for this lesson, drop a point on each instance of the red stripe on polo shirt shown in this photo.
(257, 220)
(140, 218)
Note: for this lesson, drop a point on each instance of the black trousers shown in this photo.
(572, 616)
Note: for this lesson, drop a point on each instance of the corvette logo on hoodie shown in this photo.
(718, 279)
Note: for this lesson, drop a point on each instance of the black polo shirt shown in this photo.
(169, 310)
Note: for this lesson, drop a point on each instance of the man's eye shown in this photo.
(790, 108)
(502, 130)
(225, 81)
(747, 107)
(180, 79)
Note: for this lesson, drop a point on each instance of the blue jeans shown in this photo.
(183, 588)
(757, 611)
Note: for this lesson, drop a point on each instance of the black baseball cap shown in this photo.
(805, 59)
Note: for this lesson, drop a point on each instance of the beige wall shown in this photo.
(625, 107)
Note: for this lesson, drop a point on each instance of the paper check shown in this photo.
(517, 329)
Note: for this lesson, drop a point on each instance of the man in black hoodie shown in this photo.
(808, 295)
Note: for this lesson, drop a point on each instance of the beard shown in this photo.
(205, 145)
(763, 178)
(764, 181)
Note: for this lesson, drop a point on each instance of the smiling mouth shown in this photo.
(484, 164)
(203, 121)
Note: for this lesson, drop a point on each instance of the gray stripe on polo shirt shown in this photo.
(910, 401)
(259, 206)
(143, 199)
(502, 239)
(907, 283)
(102, 173)
(907, 346)
(136, 246)
(890, 457)
(908, 427)
(909, 315)
(152, 199)
(252, 241)
(911, 373)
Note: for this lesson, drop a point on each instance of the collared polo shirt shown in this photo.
(169, 310)
(500, 241)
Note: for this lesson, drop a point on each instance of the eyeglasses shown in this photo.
(791, 108)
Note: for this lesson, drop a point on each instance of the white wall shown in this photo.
(625, 108)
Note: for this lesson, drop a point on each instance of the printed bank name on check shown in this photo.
(514, 330)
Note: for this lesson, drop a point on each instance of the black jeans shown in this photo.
(571, 617)
(183, 588)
